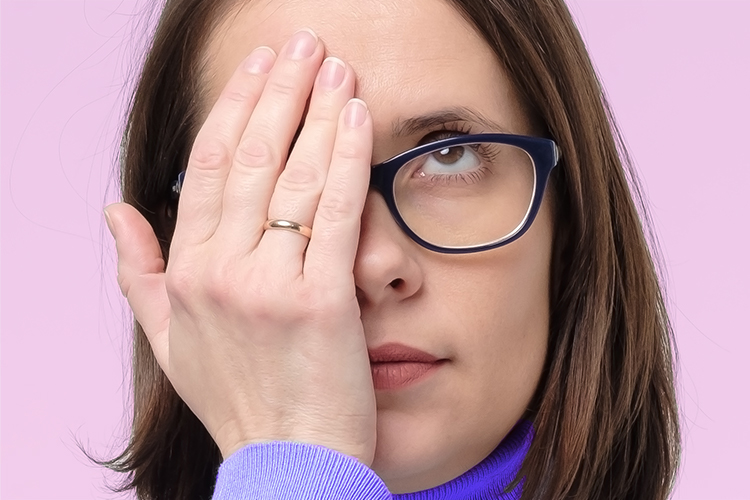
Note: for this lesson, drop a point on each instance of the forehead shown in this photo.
(411, 57)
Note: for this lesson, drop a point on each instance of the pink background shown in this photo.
(677, 73)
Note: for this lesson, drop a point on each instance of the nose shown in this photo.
(385, 269)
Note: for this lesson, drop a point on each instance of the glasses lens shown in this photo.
(466, 195)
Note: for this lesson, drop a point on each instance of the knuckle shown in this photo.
(284, 87)
(272, 310)
(124, 283)
(350, 152)
(254, 152)
(267, 301)
(336, 206)
(210, 154)
(312, 303)
(300, 176)
(237, 93)
(319, 306)
(180, 284)
(219, 283)
(323, 113)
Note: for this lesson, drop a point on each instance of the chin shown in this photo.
(420, 448)
(411, 450)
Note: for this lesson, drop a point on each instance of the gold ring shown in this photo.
(288, 226)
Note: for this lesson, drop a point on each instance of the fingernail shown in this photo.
(302, 44)
(109, 223)
(332, 73)
(260, 61)
(356, 113)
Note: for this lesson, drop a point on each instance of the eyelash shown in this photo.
(448, 130)
(455, 129)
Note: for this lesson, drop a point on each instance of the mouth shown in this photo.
(395, 366)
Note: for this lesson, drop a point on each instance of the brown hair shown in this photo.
(605, 414)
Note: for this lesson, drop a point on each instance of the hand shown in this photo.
(259, 332)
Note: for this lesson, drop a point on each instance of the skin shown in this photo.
(487, 312)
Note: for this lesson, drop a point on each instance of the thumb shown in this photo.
(140, 273)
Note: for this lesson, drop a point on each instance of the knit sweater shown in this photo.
(294, 471)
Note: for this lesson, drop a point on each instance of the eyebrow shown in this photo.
(414, 125)
(434, 120)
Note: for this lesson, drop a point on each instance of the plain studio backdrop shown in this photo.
(678, 77)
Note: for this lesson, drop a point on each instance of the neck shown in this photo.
(491, 478)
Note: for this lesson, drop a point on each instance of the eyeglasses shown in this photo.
(464, 194)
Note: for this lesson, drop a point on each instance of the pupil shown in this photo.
(450, 155)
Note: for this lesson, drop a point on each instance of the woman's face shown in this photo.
(488, 312)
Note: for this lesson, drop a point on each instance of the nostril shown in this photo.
(397, 283)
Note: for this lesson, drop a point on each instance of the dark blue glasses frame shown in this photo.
(544, 153)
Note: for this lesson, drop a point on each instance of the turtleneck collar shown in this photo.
(488, 479)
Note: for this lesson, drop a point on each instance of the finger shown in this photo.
(140, 273)
(265, 142)
(299, 186)
(333, 245)
(211, 157)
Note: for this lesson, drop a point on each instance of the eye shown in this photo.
(452, 160)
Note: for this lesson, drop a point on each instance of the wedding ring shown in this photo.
(288, 226)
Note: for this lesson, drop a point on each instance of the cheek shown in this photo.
(504, 355)
(504, 305)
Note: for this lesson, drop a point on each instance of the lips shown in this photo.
(395, 366)
(395, 353)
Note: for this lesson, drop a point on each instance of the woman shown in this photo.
(475, 316)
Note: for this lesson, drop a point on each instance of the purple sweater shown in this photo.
(294, 471)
